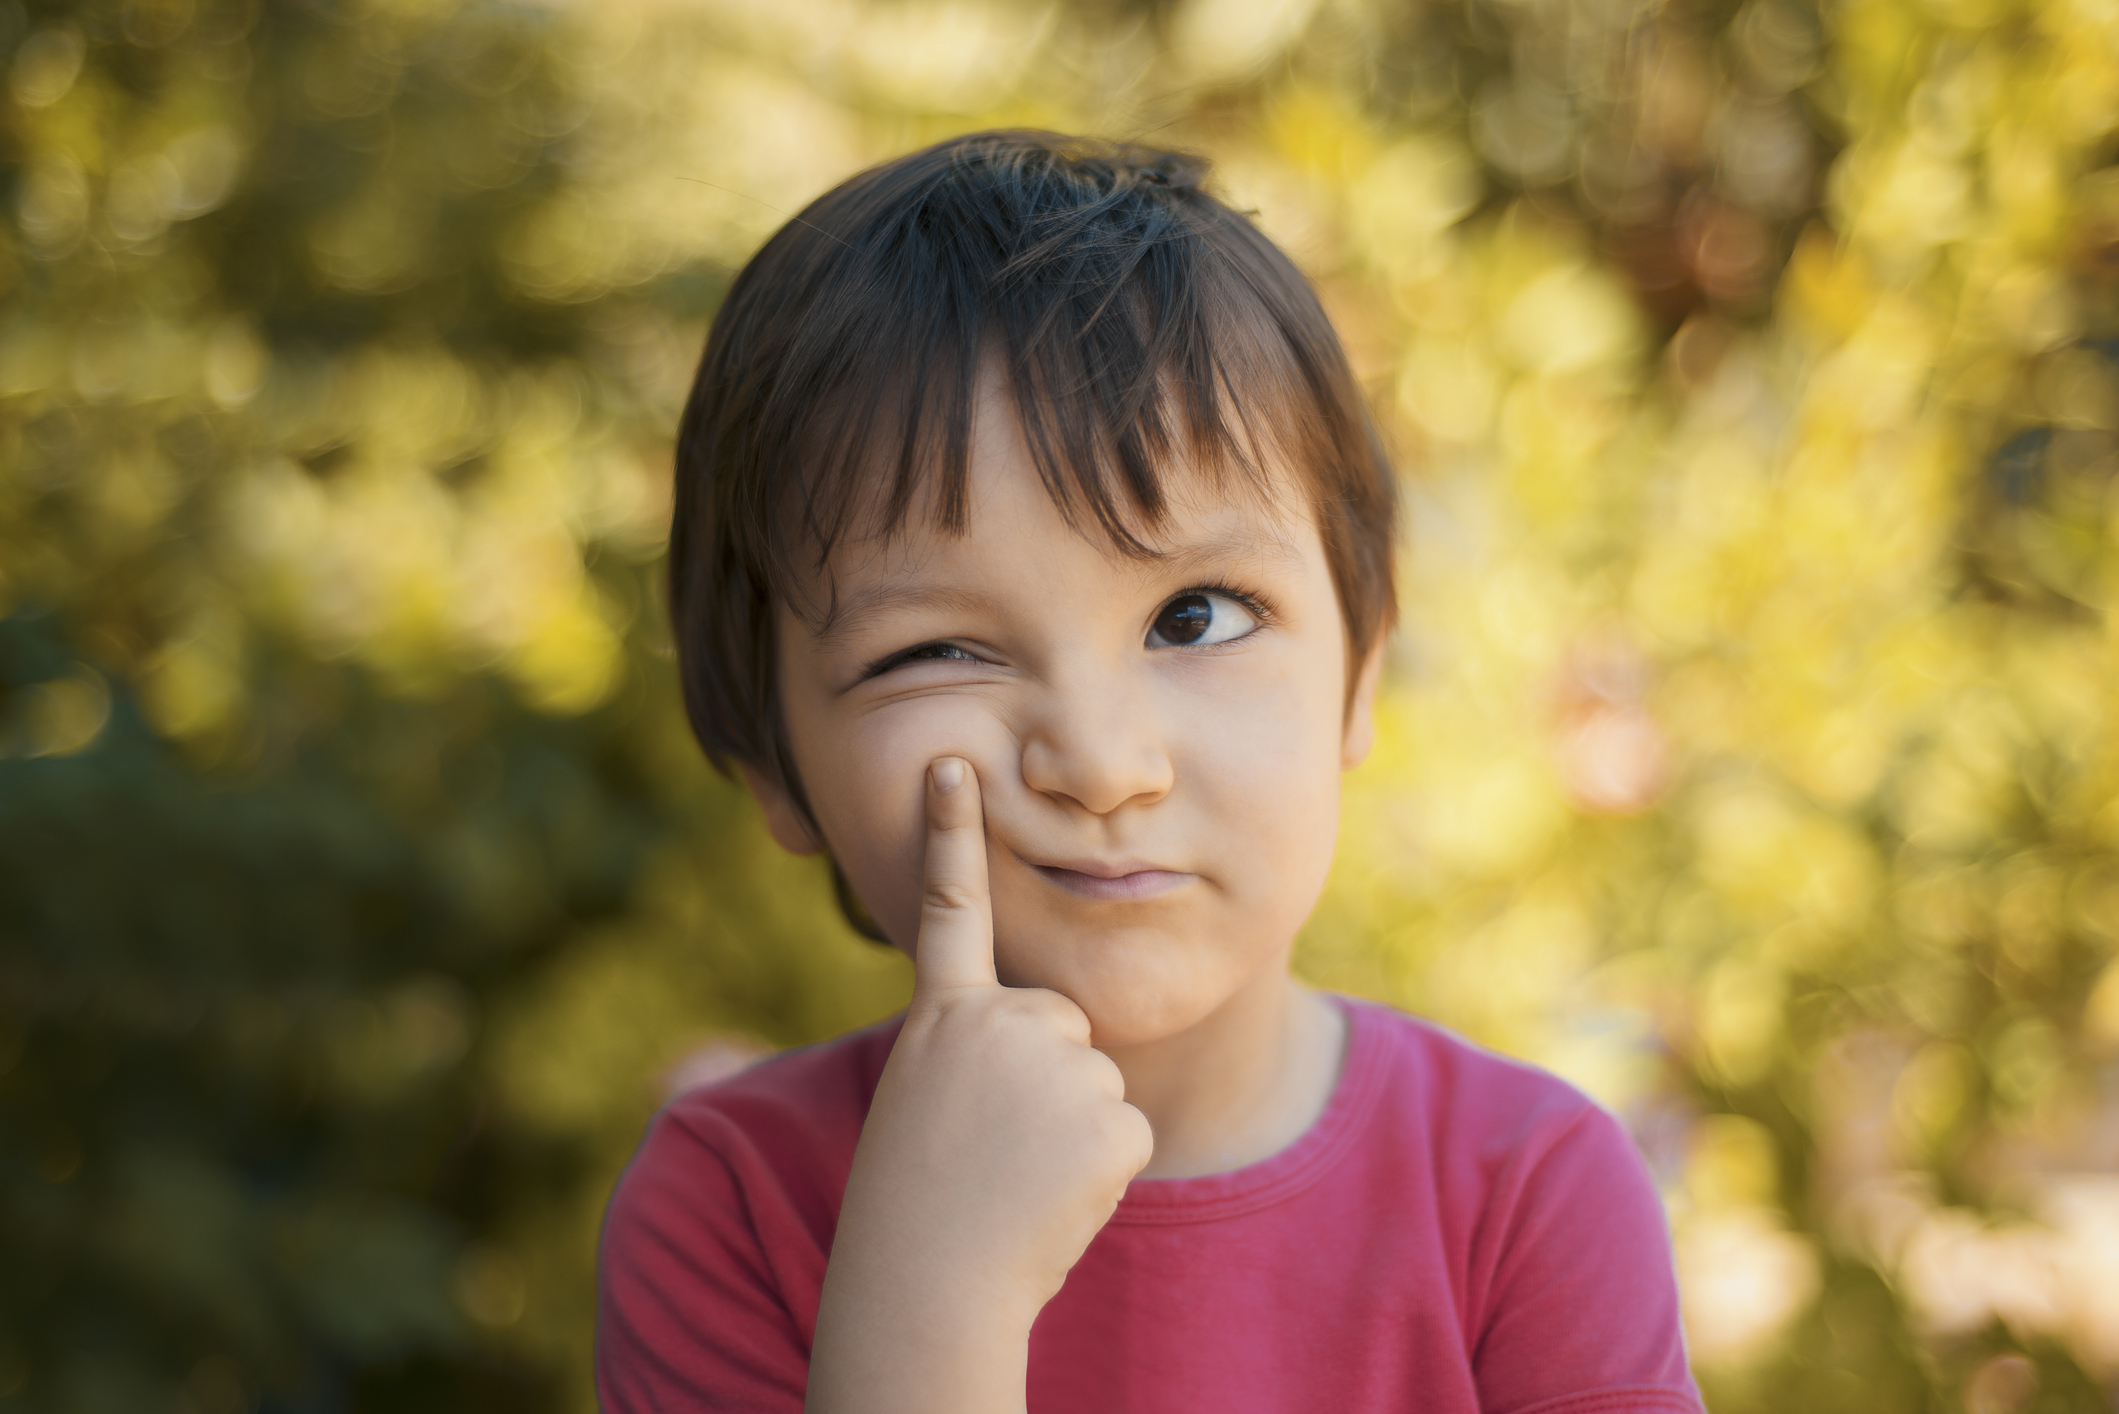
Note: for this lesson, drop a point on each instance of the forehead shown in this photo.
(1016, 527)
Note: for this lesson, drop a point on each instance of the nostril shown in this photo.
(1095, 772)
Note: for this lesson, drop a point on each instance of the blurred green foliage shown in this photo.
(1749, 754)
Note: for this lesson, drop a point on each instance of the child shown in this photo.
(1032, 557)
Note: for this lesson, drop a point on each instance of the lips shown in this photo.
(1122, 880)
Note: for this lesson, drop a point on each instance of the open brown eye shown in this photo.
(1185, 619)
(1200, 618)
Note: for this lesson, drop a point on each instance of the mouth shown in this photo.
(1118, 881)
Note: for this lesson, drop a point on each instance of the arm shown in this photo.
(998, 1144)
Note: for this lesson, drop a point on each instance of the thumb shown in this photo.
(955, 948)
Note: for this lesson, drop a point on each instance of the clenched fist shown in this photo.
(998, 1144)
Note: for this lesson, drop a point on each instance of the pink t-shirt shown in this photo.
(1456, 1233)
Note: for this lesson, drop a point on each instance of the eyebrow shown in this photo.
(1268, 547)
(1269, 550)
(842, 620)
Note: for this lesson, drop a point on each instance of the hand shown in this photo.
(997, 1146)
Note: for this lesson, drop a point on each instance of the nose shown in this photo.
(1096, 745)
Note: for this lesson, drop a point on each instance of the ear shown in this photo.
(1360, 733)
(782, 819)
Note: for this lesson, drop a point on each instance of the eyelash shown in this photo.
(891, 660)
(1257, 608)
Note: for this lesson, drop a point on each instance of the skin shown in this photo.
(1097, 844)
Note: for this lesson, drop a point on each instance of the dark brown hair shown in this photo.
(1136, 320)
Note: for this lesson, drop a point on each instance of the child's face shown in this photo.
(1159, 762)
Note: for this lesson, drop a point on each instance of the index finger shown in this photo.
(955, 947)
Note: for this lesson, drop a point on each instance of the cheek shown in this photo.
(868, 786)
(1264, 772)
(1273, 730)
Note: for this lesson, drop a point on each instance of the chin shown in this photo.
(1135, 987)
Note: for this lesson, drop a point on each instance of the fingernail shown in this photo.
(948, 773)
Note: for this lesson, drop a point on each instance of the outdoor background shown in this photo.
(1749, 754)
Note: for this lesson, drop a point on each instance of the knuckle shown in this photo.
(1109, 1079)
(1026, 1002)
(950, 898)
(1140, 1138)
(1126, 1137)
(1058, 1008)
(1015, 1008)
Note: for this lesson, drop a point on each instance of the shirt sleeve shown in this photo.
(1581, 1315)
(690, 1310)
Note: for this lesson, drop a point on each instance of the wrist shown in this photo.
(921, 1345)
(925, 1299)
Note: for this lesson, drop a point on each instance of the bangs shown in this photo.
(1125, 356)
(1123, 312)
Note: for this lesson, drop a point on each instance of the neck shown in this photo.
(1241, 1084)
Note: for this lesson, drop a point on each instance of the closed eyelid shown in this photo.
(903, 656)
